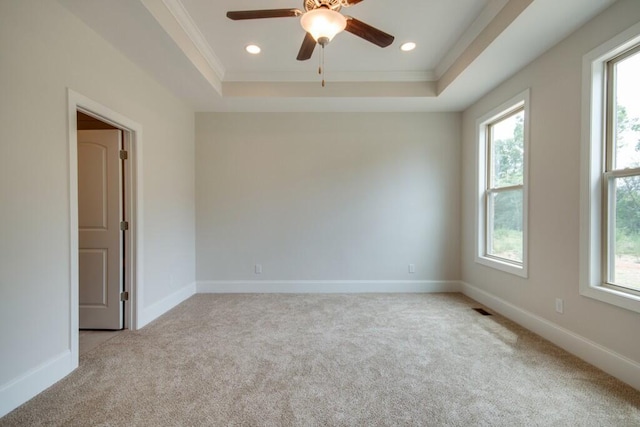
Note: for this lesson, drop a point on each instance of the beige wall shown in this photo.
(43, 51)
(556, 102)
(327, 196)
(309, 196)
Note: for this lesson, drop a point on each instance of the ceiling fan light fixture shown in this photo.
(323, 24)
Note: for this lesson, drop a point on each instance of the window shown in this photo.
(622, 172)
(502, 187)
(610, 194)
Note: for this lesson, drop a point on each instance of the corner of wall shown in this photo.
(623, 368)
(149, 314)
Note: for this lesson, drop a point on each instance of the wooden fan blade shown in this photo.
(306, 50)
(368, 32)
(352, 2)
(265, 13)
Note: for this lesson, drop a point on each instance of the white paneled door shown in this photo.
(100, 237)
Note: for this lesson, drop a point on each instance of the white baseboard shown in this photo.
(325, 286)
(19, 390)
(26, 386)
(157, 309)
(614, 364)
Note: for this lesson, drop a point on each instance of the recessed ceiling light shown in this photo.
(253, 49)
(406, 47)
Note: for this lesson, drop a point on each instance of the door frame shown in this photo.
(133, 240)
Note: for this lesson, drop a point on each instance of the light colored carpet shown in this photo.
(312, 360)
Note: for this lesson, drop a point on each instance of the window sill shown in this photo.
(503, 265)
(611, 296)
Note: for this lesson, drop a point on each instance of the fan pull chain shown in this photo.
(321, 67)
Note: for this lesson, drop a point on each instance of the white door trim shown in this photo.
(133, 200)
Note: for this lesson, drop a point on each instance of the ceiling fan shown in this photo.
(321, 20)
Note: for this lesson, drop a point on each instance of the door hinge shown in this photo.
(124, 296)
(124, 155)
(124, 225)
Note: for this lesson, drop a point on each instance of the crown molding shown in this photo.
(335, 76)
(181, 15)
(333, 89)
(487, 15)
(175, 20)
(506, 15)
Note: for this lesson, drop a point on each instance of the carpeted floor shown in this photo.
(331, 360)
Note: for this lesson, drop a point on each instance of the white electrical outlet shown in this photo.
(258, 269)
(560, 305)
(412, 268)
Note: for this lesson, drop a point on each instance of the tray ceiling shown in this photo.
(464, 48)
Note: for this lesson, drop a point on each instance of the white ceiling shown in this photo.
(465, 48)
(281, 38)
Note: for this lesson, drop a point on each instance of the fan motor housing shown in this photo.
(314, 4)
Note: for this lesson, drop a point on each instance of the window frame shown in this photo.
(596, 175)
(514, 105)
(611, 173)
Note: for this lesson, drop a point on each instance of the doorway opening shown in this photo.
(114, 167)
(101, 236)
(102, 224)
